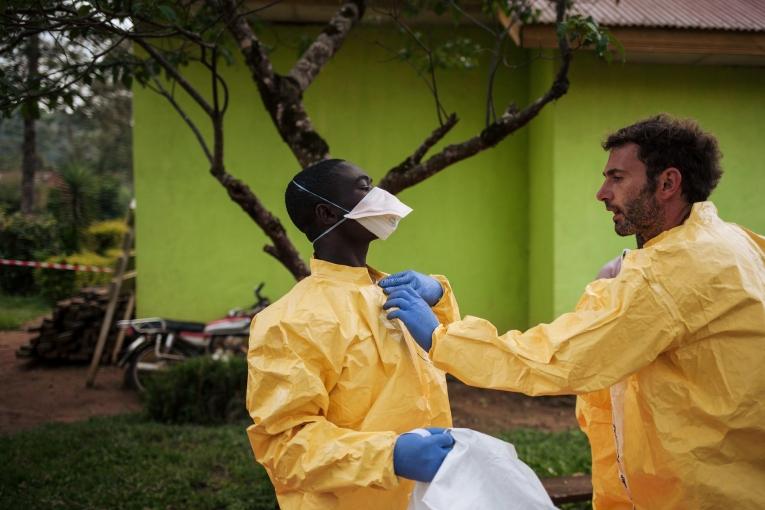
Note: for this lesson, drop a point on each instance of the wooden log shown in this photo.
(568, 489)
(72, 329)
(44, 347)
(25, 351)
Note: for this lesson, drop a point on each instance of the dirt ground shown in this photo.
(34, 393)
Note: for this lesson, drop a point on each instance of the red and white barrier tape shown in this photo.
(52, 265)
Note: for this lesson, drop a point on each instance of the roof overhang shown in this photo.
(642, 44)
(661, 45)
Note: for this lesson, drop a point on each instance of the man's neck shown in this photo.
(673, 217)
(353, 256)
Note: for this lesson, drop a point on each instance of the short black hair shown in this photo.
(664, 141)
(321, 178)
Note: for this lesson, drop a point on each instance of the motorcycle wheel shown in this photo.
(145, 363)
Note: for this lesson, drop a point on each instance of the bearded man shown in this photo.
(666, 357)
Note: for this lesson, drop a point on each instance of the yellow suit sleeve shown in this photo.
(619, 326)
(446, 310)
(291, 368)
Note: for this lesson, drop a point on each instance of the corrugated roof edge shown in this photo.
(735, 16)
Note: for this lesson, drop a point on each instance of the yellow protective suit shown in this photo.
(668, 360)
(332, 383)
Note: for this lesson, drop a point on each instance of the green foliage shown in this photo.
(56, 284)
(458, 53)
(90, 47)
(552, 453)
(104, 236)
(25, 238)
(521, 10)
(111, 198)
(201, 390)
(18, 310)
(454, 53)
(585, 32)
(127, 463)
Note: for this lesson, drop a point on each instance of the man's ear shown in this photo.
(670, 183)
(325, 214)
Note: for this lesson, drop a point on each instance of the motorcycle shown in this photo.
(161, 342)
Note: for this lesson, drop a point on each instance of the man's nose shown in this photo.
(603, 193)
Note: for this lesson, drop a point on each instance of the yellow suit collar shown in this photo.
(701, 212)
(361, 275)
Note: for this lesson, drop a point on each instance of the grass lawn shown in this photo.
(16, 310)
(551, 453)
(126, 462)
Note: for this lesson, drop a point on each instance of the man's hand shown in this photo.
(428, 288)
(418, 456)
(414, 312)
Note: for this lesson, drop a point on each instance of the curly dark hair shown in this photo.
(664, 141)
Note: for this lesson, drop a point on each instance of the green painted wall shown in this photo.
(541, 198)
(517, 229)
(728, 101)
(199, 255)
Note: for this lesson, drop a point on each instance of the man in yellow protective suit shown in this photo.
(667, 357)
(333, 384)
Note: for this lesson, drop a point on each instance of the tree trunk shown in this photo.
(29, 145)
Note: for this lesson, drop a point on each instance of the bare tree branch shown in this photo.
(282, 97)
(510, 121)
(472, 18)
(162, 91)
(429, 82)
(327, 43)
(433, 85)
(282, 249)
(422, 150)
(177, 76)
(252, 49)
(491, 114)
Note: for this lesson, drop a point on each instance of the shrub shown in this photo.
(112, 197)
(10, 194)
(200, 390)
(105, 236)
(55, 284)
(25, 238)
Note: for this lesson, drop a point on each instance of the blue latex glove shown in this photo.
(415, 313)
(417, 457)
(428, 288)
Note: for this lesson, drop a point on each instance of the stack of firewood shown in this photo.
(72, 330)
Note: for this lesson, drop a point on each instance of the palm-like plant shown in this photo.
(73, 203)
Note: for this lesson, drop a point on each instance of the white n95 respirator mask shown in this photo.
(379, 212)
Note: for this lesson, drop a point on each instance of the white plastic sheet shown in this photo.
(481, 473)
